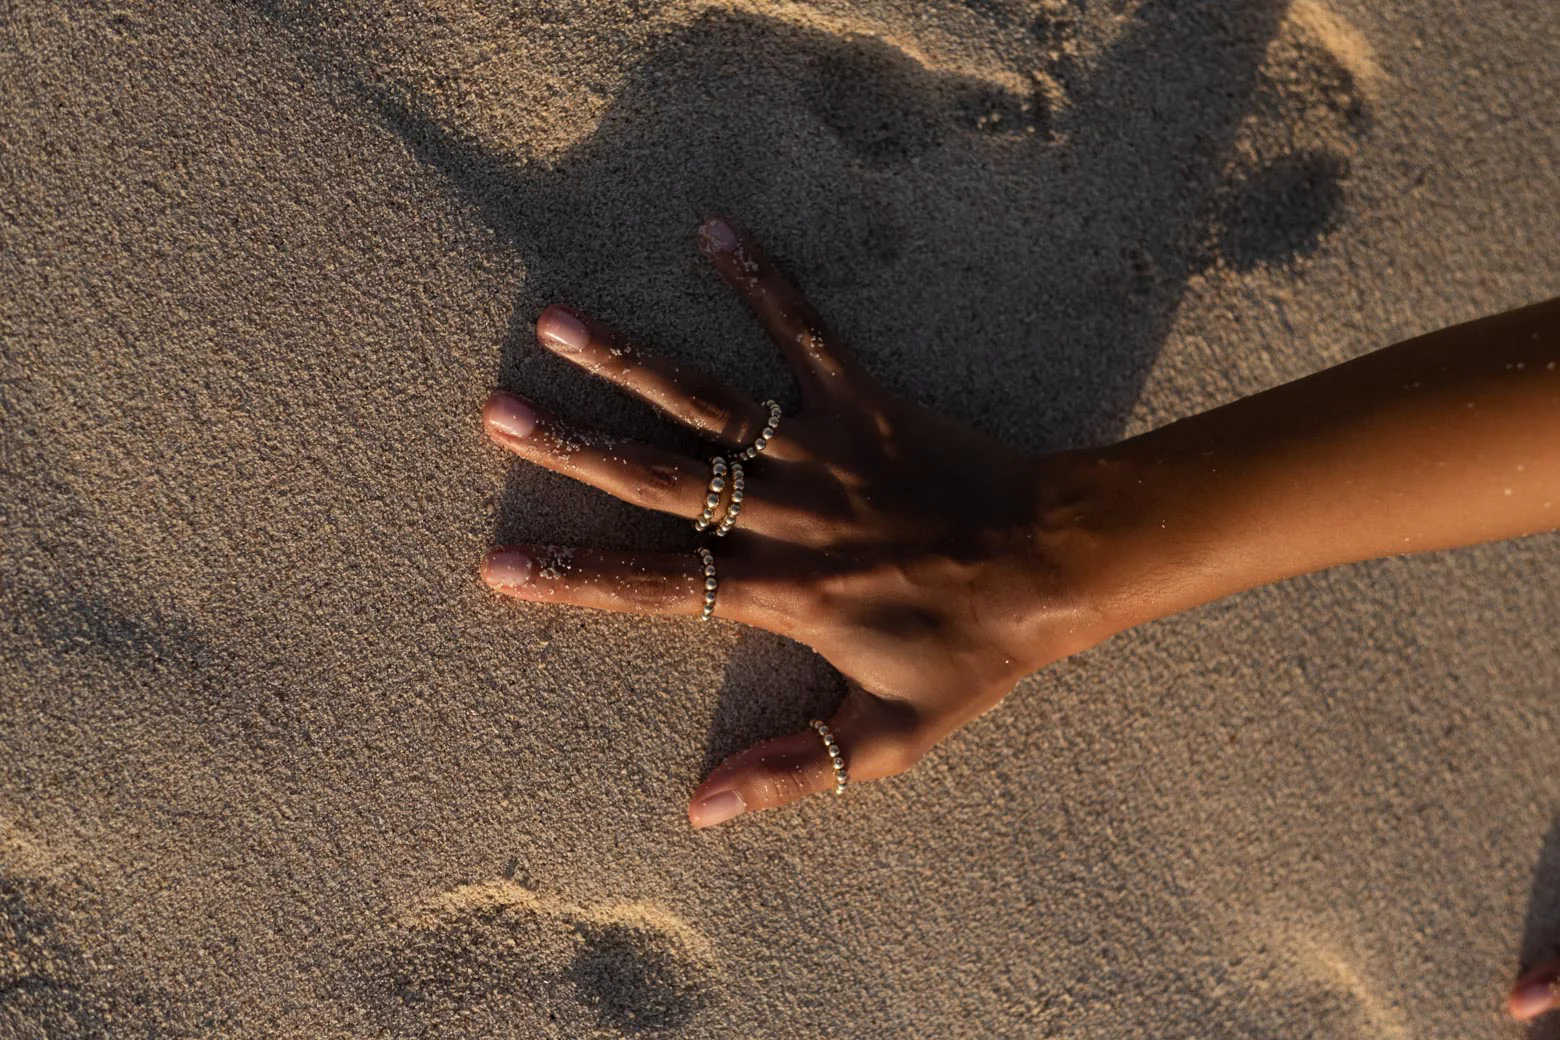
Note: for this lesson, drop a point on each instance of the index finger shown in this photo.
(822, 365)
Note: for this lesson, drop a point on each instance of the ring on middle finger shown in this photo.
(734, 506)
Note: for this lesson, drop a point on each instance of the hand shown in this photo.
(930, 564)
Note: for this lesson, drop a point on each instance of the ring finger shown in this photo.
(671, 584)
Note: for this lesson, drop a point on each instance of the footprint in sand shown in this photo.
(887, 107)
(41, 991)
(509, 961)
(1294, 983)
(45, 988)
(1292, 154)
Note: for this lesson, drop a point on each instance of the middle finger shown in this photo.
(784, 502)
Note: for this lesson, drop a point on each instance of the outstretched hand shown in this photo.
(931, 565)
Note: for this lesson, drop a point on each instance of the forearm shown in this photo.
(1448, 439)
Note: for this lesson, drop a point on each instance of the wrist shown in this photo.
(1129, 535)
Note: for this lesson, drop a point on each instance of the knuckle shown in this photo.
(708, 412)
(901, 756)
(656, 485)
(810, 606)
(895, 749)
(782, 785)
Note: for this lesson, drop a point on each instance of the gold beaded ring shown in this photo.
(762, 440)
(711, 583)
(733, 507)
(712, 496)
(840, 777)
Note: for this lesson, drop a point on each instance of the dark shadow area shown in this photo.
(810, 139)
(81, 608)
(1541, 928)
(1009, 256)
(44, 989)
(71, 621)
(771, 686)
(1284, 209)
(32, 989)
(88, 619)
(633, 985)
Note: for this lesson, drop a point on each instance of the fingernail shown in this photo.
(506, 569)
(716, 809)
(509, 415)
(1533, 999)
(718, 236)
(562, 329)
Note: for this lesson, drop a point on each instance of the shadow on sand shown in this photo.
(876, 180)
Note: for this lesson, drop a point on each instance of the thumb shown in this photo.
(1534, 992)
(875, 738)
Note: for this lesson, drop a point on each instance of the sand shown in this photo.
(274, 764)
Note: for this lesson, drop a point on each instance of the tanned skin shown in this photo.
(935, 567)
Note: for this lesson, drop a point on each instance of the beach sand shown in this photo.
(274, 764)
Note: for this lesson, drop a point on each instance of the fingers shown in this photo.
(688, 395)
(671, 584)
(821, 364)
(637, 473)
(1534, 993)
(874, 741)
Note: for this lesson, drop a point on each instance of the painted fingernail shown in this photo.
(717, 236)
(509, 415)
(562, 329)
(1531, 1000)
(716, 809)
(506, 569)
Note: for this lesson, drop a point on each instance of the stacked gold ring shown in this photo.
(712, 494)
(835, 758)
(720, 467)
(734, 506)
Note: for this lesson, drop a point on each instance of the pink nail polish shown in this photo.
(1531, 1000)
(563, 330)
(509, 415)
(716, 809)
(506, 569)
(718, 237)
